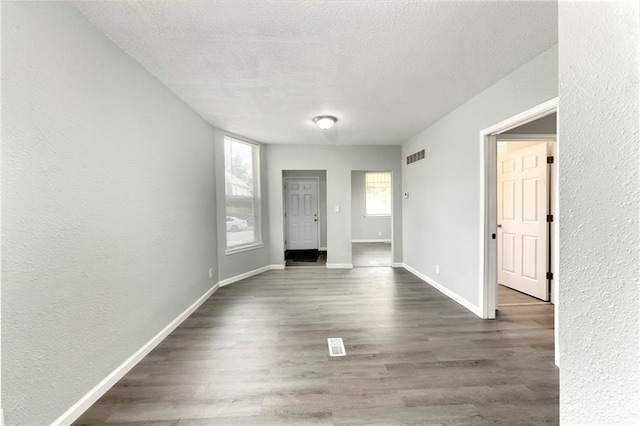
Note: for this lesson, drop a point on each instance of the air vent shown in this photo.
(417, 156)
(336, 346)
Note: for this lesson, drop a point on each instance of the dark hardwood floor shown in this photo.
(510, 297)
(256, 353)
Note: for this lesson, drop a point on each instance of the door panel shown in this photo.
(522, 213)
(508, 253)
(301, 214)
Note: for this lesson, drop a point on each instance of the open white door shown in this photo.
(301, 215)
(522, 220)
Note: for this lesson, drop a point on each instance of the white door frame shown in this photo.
(488, 214)
(285, 218)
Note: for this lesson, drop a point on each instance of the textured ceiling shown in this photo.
(386, 69)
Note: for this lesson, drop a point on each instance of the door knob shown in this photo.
(499, 225)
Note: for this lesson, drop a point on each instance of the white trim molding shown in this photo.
(241, 277)
(276, 266)
(77, 409)
(397, 265)
(372, 241)
(442, 289)
(322, 249)
(339, 266)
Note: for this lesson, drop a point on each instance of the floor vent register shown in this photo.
(336, 346)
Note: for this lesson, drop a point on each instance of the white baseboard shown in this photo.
(277, 266)
(94, 394)
(1, 417)
(433, 283)
(372, 241)
(397, 265)
(240, 277)
(322, 249)
(339, 266)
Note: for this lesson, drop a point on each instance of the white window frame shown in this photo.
(366, 196)
(257, 213)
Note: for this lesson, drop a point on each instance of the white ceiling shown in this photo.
(386, 69)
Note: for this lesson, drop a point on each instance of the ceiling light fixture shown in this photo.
(325, 121)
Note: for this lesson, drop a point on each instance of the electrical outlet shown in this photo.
(437, 269)
(210, 272)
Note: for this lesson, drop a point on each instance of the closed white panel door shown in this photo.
(302, 214)
(522, 220)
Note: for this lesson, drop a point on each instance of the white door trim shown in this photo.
(488, 246)
(535, 137)
(286, 225)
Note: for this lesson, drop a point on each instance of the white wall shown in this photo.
(1, 411)
(338, 161)
(599, 301)
(108, 208)
(441, 217)
(365, 227)
(322, 198)
(234, 264)
(542, 126)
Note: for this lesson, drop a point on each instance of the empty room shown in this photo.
(320, 212)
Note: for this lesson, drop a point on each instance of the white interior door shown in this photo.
(301, 216)
(522, 220)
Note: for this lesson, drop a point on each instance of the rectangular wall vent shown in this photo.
(336, 346)
(416, 156)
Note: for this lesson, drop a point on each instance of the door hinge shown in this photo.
(549, 218)
(549, 275)
(549, 160)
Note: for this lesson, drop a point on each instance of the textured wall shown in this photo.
(365, 227)
(441, 217)
(338, 161)
(599, 200)
(108, 208)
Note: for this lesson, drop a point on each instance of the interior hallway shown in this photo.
(256, 353)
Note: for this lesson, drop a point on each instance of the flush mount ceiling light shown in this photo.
(325, 121)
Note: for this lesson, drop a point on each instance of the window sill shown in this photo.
(240, 249)
(377, 215)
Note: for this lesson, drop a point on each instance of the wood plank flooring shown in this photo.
(509, 297)
(256, 353)
(370, 254)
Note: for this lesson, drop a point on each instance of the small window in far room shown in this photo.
(378, 193)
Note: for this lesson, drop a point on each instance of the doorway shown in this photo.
(371, 218)
(305, 224)
(523, 222)
(524, 218)
(488, 285)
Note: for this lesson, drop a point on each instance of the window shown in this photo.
(378, 194)
(242, 194)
